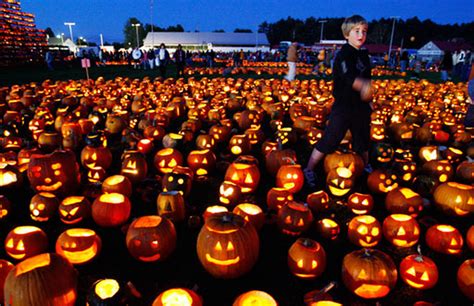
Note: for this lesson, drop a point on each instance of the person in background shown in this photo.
(353, 94)
(404, 61)
(163, 58)
(469, 119)
(180, 59)
(446, 66)
(151, 58)
(292, 59)
(49, 59)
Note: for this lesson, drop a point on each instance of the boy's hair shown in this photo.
(351, 22)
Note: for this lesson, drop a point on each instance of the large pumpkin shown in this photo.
(464, 278)
(245, 173)
(306, 258)
(25, 241)
(111, 209)
(454, 198)
(227, 245)
(419, 271)
(78, 245)
(369, 273)
(46, 279)
(350, 160)
(57, 173)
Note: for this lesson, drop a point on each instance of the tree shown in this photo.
(49, 32)
(219, 31)
(242, 31)
(130, 33)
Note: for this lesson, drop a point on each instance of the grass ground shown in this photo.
(22, 75)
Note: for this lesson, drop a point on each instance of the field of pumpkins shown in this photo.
(191, 192)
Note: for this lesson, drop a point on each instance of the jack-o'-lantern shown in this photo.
(405, 170)
(382, 154)
(71, 135)
(286, 136)
(167, 159)
(240, 144)
(56, 173)
(404, 201)
(464, 278)
(178, 296)
(306, 258)
(134, 166)
(96, 174)
(419, 271)
(46, 278)
(314, 135)
(201, 162)
(170, 204)
(251, 213)
(328, 228)
(245, 173)
(428, 153)
(255, 135)
(205, 141)
(350, 160)
(369, 273)
(465, 172)
(144, 146)
(382, 181)
(220, 132)
(227, 245)
(454, 198)
(290, 177)
(453, 155)
(255, 297)
(377, 132)
(364, 231)
(117, 184)
(111, 209)
(441, 170)
(151, 238)
(74, 209)
(360, 203)
(340, 181)
(105, 292)
(229, 193)
(154, 133)
(5, 207)
(294, 218)
(172, 140)
(179, 179)
(402, 155)
(277, 158)
(318, 201)
(402, 131)
(247, 118)
(401, 230)
(25, 241)
(10, 177)
(278, 197)
(43, 206)
(444, 239)
(24, 157)
(78, 245)
(12, 143)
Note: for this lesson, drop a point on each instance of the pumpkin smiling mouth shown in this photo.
(227, 262)
(150, 258)
(53, 187)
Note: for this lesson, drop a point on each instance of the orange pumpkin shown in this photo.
(25, 241)
(464, 278)
(178, 296)
(419, 271)
(78, 245)
(306, 258)
(111, 209)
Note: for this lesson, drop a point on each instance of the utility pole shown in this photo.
(136, 25)
(322, 22)
(391, 36)
(70, 24)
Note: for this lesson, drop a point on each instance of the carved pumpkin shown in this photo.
(251, 213)
(93, 156)
(401, 230)
(364, 231)
(290, 177)
(105, 292)
(229, 193)
(349, 160)
(306, 258)
(74, 209)
(5, 207)
(294, 218)
(340, 181)
(428, 153)
(328, 228)
(170, 204)
(278, 197)
(318, 201)
(201, 162)
(57, 173)
(277, 158)
(227, 245)
(167, 159)
(111, 209)
(360, 204)
(36, 280)
(25, 241)
(454, 198)
(464, 171)
(43, 206)
(240, 144)
(255, 297)
(179, 179)
(117, 184)
(78, 245)
(10, 177)
(134, 166)
(151, 238)
(419, 271)
(404, 201)
(464, 278)
(369, 273)
(405, 170)
(444, 239)
(245, 173)
(382, 181)
(441, 170)
(178, 296)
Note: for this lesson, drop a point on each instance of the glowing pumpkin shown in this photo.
(306, 258)
(78, 245)
(25, 241)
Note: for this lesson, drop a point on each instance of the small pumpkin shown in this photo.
(178, 296)
(78, 245)
(111, 209)
(464, 278)
(255, 297)
(444, 239)
(25, 241)
(306, 258)
(364, 231)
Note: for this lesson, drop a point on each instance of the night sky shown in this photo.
(93, 17)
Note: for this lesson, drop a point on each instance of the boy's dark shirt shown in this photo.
(349, 64)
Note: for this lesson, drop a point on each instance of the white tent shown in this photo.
(430, 52)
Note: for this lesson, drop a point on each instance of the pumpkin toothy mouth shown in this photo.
(224, 200)
(53, 187)
(378, 137)
(74, 221)
(90, 165)
(16, 256)
(388, 188)
(80, 256)
(226, 262)
(338, 191)
(150, 258)
(289, 185)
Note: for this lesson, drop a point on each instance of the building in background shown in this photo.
(20, 41)
(203, 41)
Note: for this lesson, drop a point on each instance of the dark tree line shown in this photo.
(411, 33)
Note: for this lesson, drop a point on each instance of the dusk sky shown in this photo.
(94, 17)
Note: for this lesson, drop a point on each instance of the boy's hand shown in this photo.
(366, 91)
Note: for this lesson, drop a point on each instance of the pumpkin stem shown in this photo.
(329, 286)
(366, 253)
(306, 242)
(227, 218)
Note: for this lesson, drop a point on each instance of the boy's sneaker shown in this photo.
(368, 168)
(309, 177)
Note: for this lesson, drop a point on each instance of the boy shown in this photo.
(352, 93)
